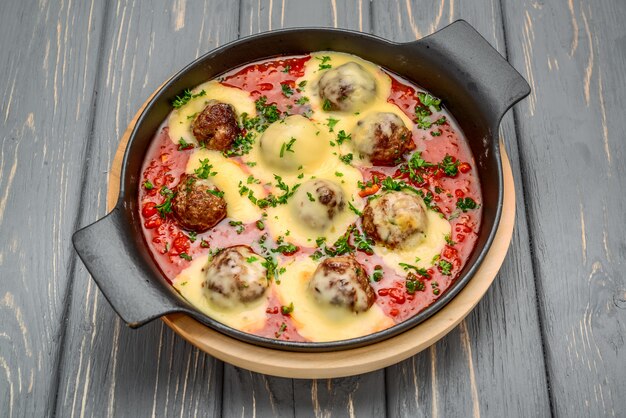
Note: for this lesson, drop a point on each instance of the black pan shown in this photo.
(456, 64)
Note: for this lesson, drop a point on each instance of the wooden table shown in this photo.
(548, 338)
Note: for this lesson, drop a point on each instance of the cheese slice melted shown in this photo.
(227, 178)
(180, 119)
(320, 322)
(421, 255)
(248, 317)
(347, 120)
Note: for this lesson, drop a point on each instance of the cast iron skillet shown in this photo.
(456, 64)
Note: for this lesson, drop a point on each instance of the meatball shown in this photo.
(216, 126)
(317, 202)
(236, 275)
(347, 88)
(395, 220)
(382, 138)
(342, 281)
(197, 205)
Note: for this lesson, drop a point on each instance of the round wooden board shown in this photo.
(346, 362)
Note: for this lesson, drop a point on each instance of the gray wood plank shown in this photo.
(108, 369)
(362, 395)
(492, 364)
(46, 92)
(572, 147)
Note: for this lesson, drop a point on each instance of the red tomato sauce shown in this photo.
(172, 247)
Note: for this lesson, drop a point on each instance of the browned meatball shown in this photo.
(342, 281)
(216, 126)
(197, 205)
(382, 138)
(347, 88)
(317, 202)
(395, 220)
(236, 275)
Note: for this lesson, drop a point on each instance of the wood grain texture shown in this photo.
(317, 397)
(107, 369)
(492, 363)
(46, 92)
(572, 135)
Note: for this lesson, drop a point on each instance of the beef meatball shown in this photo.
(382, 138)
(395, 220)
(342, 281)
(236, 275)
(197, 205)
(317, 202)
(347, 88)
(216, 126)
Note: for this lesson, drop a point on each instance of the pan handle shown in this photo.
(477, 65)
(116, 266)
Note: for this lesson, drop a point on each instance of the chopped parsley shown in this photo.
(421, 271)
(204, 171)
(260, 224)
(148, 185)
(428, 100)
(273, 271)
(287, 147)
(215, 192)
(165, 207)
(287, 91)
(449, 241)
(342, 137)
(390, 184)
(251, 259)
(310, 196)
(302, 100)
(347, 159)
(241, 145)
(355, 210)
(377, 275)
(183, 145)
(183, 99)
(238, 225)
(302, 84)
(324, 62)
(185, 256)
(267, 114)
(416, 167)
(449, 165)
(327, 105)
(466, 204)
(286, 310)
(423, 112)
(286, 69)
(413, 284)
(285, 248)
(281, 330)
(331, 124)
(192, 236)
(445, 267)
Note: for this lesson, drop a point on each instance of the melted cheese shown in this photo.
(181, 119)
(291, 143)
(245, 317)
(321, 322)
(430, 247)
(229, 175)
(285, 218)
